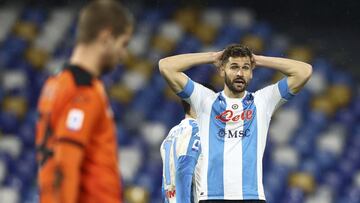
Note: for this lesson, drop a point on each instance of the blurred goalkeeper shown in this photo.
(76, 133)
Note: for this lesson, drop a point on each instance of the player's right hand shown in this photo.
(216, 58)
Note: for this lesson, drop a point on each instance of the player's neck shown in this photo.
(189, 116)
(232, 94)
(85, 57)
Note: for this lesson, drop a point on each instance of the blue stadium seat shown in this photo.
(14, 45)
(27, 135)
(311, 166)
(262, 29)
(123, 135)
(152, 17)
(322, 65)
(304, 140)
(35, 15)
(187, 45)
(346, 169)
(352, 195)
(8, 122)
(228, 34)
(325, 160)
(346, 117)
(294, 195)
(333, 180)
(338, 76)
(15, 182)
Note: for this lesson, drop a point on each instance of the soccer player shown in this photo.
(179, 153)
(233, 123)
(76, 134)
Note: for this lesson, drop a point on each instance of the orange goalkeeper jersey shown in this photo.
(76, 141)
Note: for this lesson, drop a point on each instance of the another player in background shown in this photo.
(180, 152)
(76, 134)
(233, 123)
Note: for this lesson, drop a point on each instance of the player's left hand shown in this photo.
(254, 60)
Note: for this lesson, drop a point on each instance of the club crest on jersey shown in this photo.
(229, 115)
(235, 106)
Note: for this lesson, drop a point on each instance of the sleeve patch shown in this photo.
(75, 119)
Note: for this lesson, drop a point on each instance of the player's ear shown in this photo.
(104, 36)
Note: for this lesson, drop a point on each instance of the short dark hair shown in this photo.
(100, 14)
(186, 106)
(235, 50)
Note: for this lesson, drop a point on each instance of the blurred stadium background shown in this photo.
(313, 151)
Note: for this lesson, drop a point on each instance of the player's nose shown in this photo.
(240, 72)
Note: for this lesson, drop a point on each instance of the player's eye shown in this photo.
(246, 67)
(234, 67)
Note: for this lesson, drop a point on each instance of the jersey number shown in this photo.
(167, 146)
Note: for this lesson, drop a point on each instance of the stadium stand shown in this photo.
(313, 150)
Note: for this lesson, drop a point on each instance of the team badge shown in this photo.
(235, 106)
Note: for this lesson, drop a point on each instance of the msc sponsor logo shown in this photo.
(229, 115)
(222, 133)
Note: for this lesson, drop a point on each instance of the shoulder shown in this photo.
(79, 75)
(72, 88)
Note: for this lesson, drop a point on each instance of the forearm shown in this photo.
(297, 72)
(183, 62)
(172, 67)
(288, 67)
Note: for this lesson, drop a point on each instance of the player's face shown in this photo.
(117, 50)
(237, 73)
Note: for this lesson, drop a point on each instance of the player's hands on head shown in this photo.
(216, 58)
(254, 60)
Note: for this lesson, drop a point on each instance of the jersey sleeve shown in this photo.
(184, 173)
(275, 95)
(78, 118)
(195, 93)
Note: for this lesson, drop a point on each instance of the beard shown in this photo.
(237, 85)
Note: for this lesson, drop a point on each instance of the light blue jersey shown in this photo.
(233, 135)
(179, 152)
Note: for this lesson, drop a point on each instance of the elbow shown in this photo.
(307, 71)
(304, 72)
(163, 66)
